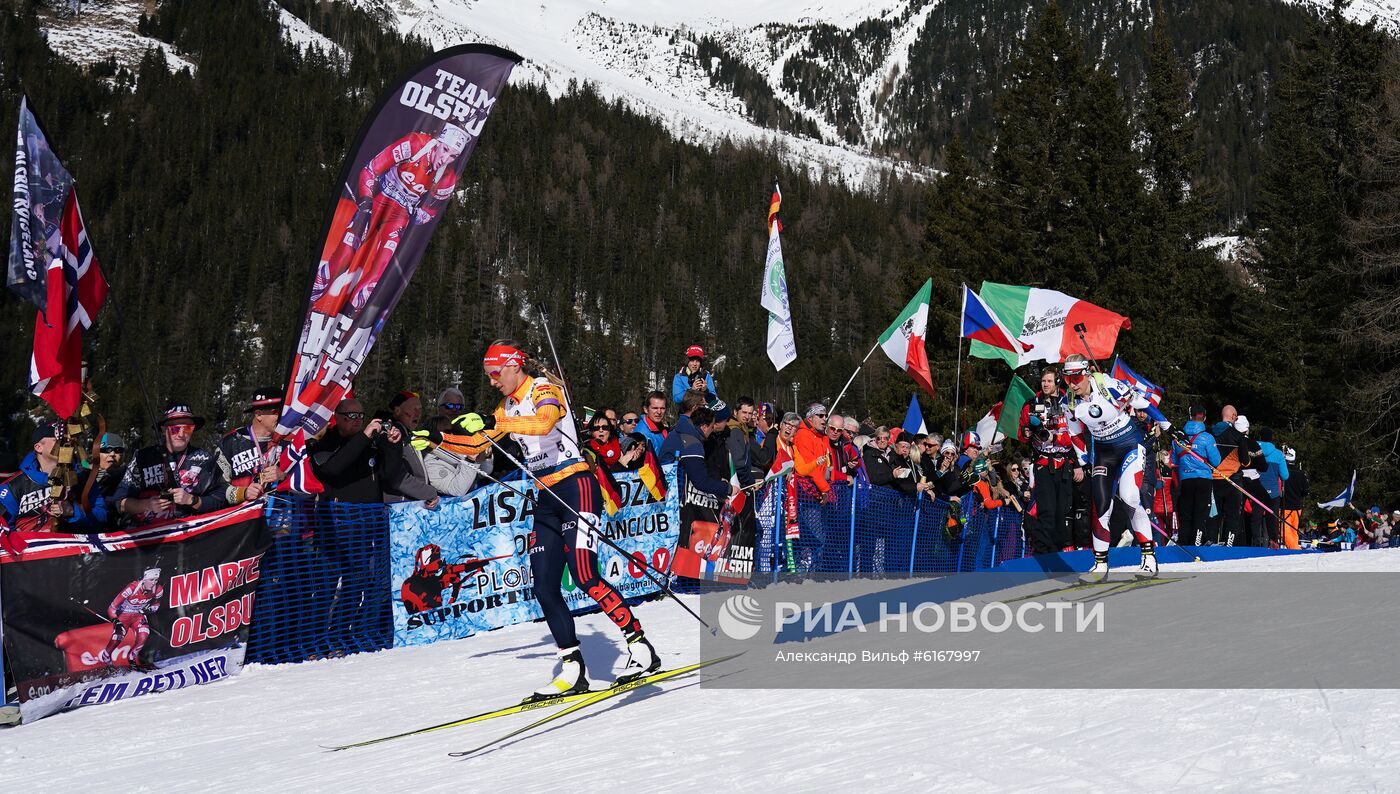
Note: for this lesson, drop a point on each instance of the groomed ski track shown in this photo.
(261, 731)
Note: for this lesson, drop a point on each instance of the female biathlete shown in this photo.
(536, 414)
(1105, 410)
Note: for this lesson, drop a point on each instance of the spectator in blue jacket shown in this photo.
(691, 375)
(685, 445)
(1193, 505)
(653, 423)
(1273, 479)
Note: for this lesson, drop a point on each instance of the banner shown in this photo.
(782, 346)
(91, 619)
(716, 540)
(463, 568)
(397, 181)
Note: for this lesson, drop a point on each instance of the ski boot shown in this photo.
(1098, 573)
(141, 665)
(641, 660)
(1148, 568)
(570, 681)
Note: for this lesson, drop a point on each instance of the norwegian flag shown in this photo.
(296, 462)
(76, 292)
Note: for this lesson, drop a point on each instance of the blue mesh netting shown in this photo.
(325, 588)
(872, 530)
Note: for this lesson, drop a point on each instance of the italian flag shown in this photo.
(1045, 320)
(903, 341)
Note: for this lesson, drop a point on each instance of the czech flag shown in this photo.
(1152, 391)
(982, 324)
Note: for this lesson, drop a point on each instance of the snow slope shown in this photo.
(637, 51)
(260, 731)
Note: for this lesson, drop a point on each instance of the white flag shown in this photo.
(782, 347)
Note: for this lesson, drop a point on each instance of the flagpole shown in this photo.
(853, 377)
(957, 392)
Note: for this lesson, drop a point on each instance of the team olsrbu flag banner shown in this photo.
(1044, 321)
(52, 265)
(903, 341)
(91, 619)
(782, 347)
(397, 181)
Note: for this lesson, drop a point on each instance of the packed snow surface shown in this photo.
(261, 730)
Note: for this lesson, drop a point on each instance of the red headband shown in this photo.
(504, 356)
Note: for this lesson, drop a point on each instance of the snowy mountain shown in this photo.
(828, 81)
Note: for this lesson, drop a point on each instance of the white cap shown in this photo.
(151, 573)
(453, 137)
(1242, 424)
(1292, 455)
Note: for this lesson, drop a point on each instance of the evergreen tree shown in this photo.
(1287, 324)
(1371, 333)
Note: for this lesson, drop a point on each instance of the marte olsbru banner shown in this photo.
(92, 619)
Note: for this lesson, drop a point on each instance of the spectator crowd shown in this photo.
(1218, 483)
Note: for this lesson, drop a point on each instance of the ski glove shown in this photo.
(424, 440)
(475, 423)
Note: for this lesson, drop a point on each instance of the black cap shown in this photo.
(266, 397)
(43, 431)
(179, 412)
(401, 398)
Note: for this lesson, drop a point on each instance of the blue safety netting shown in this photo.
(324, 589)
(325, 586)
(869, 530)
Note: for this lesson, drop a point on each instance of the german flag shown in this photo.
(651, 476)
(612, 501)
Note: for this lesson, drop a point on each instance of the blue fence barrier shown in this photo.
(870, 530)
(326, 587)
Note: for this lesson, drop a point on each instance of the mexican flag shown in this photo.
(903, 341)
(1045, 320)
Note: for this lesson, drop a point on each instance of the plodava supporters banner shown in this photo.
(464, 568)
(398, 180)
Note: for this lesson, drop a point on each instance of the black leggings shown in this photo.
(558, 540)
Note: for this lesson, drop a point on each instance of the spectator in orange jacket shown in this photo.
(812, 454)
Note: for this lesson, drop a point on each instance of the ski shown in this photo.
(597, 697)
(1072, 587)
(518, 708)
(1124, 587)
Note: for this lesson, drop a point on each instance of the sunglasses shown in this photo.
(596, 428)
(454, 406)
(352, 415)
(113, 450)
(179, 430)
(629, 420)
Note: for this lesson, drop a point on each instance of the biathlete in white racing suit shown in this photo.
(566, 526)
(1105, 433)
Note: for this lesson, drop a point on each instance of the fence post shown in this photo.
(851, 547)
(779, 524)
(996, 530)
(962, 535)
(914, 541)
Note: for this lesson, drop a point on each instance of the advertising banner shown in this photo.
(91, 619)
(399, 177)
(463, 568)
